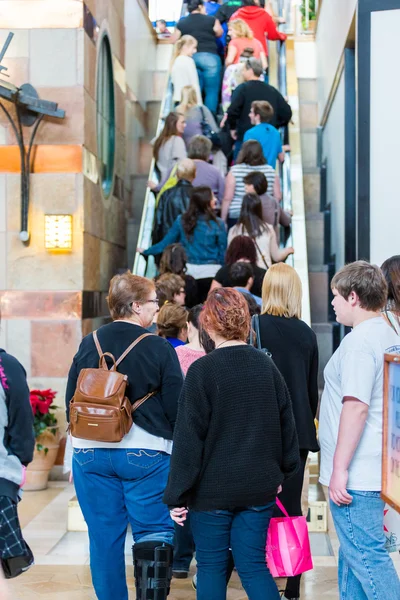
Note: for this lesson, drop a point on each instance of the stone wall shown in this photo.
(48, 301)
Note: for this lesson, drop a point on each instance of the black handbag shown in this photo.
(255, 338)
(207, 130)
(16, 565)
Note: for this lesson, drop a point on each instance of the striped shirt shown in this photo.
(239, 172)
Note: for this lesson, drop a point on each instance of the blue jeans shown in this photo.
(184, 546)
(209, 70)
(116, 487)
(366, 571)
(245, 531)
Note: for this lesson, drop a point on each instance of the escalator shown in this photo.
(290, 171)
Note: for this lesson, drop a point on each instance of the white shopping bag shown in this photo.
(391, 528)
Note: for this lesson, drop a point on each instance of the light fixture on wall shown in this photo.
(58, 233)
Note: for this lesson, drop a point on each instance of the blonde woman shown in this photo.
(294, 350)
(242, 39)
(195, 113)
(184, 70)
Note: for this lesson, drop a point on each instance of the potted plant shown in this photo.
(47, 439)
(312, 15)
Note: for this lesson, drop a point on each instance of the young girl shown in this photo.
(184, 70)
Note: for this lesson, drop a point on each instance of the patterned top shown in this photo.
(239, 172)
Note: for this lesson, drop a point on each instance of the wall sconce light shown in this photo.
(58, 233)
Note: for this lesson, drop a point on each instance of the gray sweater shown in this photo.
(17, 440)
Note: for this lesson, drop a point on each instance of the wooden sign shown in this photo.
(391, 431)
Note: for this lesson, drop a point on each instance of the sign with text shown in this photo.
(391, 431)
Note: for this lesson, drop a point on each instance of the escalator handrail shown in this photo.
(284, 168)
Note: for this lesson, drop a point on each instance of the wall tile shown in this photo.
(19, 47)
(115, 31)
(3, 333)
(94, 210)
(13, 190)
(80, 62)
(119, 109)
(89, 67)
(18, 70)
(3, 202)
(68, 130)
(91, 262)
(90, 130)
(53, 57)
(19, 341)
(3, 261)
(54, 345)
(3, 135)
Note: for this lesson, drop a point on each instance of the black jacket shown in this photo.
(17, 440)
(248, 92)
(152, 365)
(225, 11)
(172, 203)
(235, 439)
(294, 349)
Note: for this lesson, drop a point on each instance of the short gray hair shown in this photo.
(200, 147)
(255, 65)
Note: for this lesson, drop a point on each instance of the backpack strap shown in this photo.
(139, 339)
(96, 341)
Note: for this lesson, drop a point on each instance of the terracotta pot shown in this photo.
(37, 473)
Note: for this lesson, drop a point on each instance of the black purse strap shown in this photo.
(255, 327)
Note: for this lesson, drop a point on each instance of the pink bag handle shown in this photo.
(282, 508)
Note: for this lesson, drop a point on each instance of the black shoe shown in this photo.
(180, 574)
(153, 569)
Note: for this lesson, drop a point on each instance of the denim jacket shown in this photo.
(206, 245)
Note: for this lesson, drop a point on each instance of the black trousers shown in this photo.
(291, 500)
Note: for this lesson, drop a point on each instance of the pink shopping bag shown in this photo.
(288, 545)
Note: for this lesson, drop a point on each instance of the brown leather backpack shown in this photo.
(99, 409)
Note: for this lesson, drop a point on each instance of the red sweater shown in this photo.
(261, 23)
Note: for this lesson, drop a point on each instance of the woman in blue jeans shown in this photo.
(234, 444)
(121, 483)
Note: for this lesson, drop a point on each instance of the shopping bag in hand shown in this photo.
(288, 545)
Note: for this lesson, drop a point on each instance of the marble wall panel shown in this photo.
(100, 11)
(91, 262)
(119, 109)
(53, 55)
(89, 67)
(24, 14)
(112, 258)
(19, 47)
(19, 341)
(3, 333)
(120, 158)
(80, 60)
(94, 209)
(120, 8)
(3, 261)
(114, 28)
(13, 207)
(3, 202)
(115, 223)
(54, 345)
(41, 304)
(32, 268)
(90, 130)
(17, 70)
(3, 135)
(68, 130)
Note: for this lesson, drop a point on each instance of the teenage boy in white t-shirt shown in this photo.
(350, 434)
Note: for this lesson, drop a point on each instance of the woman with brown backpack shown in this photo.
(121, 468)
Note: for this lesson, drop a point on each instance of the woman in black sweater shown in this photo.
(123, 482)
(294, 350)
(234, 444)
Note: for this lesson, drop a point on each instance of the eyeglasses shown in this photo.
(154, 301)
(182, 291)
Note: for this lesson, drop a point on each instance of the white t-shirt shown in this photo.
(136, 438)
(356, 369)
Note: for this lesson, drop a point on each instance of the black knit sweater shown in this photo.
(235, 439)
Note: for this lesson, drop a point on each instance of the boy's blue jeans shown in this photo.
(116, 487)
(245, 532)
(366, 571)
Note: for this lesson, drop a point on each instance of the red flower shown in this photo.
(43, 405)
(41, 400)
(34, 401)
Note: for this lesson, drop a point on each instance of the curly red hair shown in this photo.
(226, 313)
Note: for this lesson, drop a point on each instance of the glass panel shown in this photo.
(105, 116)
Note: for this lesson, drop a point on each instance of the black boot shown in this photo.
(153, 569)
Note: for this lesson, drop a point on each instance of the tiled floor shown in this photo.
(62, 572)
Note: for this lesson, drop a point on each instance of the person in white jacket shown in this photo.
(184, 70)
